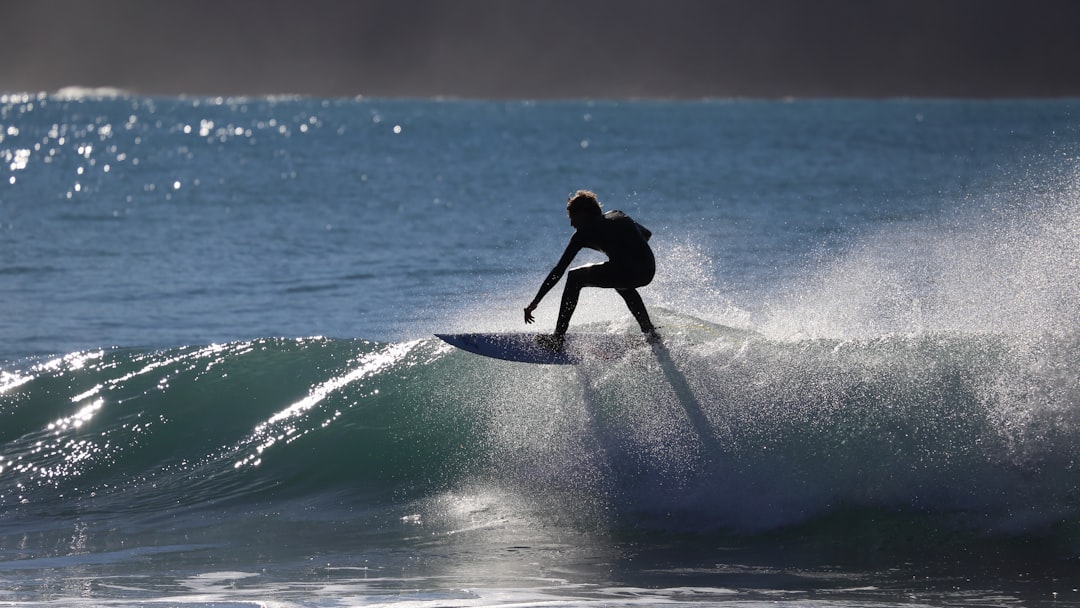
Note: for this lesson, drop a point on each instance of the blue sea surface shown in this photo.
(219, 384)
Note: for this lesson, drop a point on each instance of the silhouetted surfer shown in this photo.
(630, 263)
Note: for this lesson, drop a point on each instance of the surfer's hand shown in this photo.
(528, 313)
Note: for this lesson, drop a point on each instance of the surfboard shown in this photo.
(524, 347)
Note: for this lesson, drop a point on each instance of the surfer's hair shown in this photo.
(583, 203)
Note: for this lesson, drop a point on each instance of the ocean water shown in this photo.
(219, 384)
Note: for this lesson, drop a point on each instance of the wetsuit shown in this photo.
(630, 265)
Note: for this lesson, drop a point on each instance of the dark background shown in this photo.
(546, 49)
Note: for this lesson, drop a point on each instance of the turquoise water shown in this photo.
(219, 385)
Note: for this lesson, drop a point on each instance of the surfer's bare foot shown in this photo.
(552, 342)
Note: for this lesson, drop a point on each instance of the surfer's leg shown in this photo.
(601, 275)
(637, 308)
(574, 283)
(590, 275)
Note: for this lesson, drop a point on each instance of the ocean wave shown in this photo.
(714, 429)
(77, 93)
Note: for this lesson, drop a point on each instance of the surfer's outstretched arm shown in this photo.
(551, 280)
(553, 277)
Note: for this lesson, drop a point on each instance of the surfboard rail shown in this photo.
(524, 347)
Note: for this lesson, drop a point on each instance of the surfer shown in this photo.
(630, 263)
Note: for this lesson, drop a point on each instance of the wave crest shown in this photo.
(716, 428)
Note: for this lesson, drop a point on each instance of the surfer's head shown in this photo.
(582, 206)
